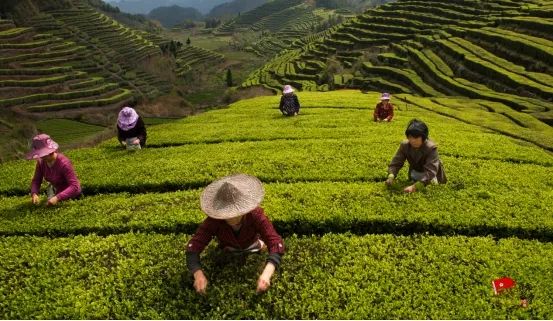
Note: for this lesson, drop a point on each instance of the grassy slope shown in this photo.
(65, 131)
(323, 174)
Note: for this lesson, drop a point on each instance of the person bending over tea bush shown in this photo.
(289, 103)
(131, 130)
(425, 166)
(239, 224)
(384, 110)
(55, 168)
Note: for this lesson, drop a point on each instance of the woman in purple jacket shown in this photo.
(55, 168)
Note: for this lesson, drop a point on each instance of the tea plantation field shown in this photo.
(355, 248)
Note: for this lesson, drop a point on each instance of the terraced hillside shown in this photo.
(116, 49)
(190, 57)
(187, 57)
(285, 27)
(281, 23)
(261, 16)
(74, 58)
(495, 50)
(355, 249)
(44, 72)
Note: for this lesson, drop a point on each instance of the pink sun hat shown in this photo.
(127, 118)
(287, 89)
(42, 146)
(385, 96)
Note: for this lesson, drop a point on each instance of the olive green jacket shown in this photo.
(425, 160)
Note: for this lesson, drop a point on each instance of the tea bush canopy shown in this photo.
(356, 249)
(479, 73)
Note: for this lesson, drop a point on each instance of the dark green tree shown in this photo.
(173, 47)
(229, 78)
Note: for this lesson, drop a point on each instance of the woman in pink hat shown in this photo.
(289, 103)
(130, 128)
(384, 111)
(239, 224)
(55, 168)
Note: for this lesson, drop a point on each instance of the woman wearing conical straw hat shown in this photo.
(239, 224)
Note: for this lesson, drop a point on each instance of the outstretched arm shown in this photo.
(375, 113)
(281, 106)
(35, 183)
(275, 246)
(120, 135)
(397, 161)
(204, 234)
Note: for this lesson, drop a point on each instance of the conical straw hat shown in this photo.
(232, 196)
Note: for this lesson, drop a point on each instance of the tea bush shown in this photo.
(334, 276)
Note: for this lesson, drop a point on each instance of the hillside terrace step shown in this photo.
(14, 33)
(6, 25)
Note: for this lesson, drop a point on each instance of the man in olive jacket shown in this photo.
(425, 166)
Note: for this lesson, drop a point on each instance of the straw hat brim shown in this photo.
(251, 195)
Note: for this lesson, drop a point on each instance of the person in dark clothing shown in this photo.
(130, 128)
(239, 224)
(425, 166)
(289, 103)
(384, 111)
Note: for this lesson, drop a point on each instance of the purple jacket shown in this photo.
(61, 175)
